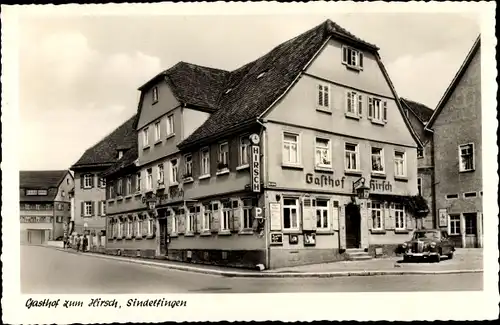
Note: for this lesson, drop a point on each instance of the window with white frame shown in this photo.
(157, 132)
(138, 182)
(103, 208)
(351, 157)
(419, 185)
(376, 212)
(377, 160)
(44, 192)
(129, 227)
(290, 213)
(174, 223)
(102, 182)
(31, 192)
(120, 187)
(466, 156)
(150, 226)
(121, 228)
(190, 219)
(139, 227)
(323, 153)
(324, 96)
(454, 221)
(174, 171)
(248, 205)
(399, 164)
(120, 154)
(244, 150)
(206, 217)
(322, 207)
(87, 208)
(145, 137)
(399, 216)
(149, 179)
(227, 215)
(161, 174)
(354, 104)
(377, 109)
(170, 125)
(87, 180)
(352, 57)
(291, 148)
(37, 206)
(188, 166)
(205, 161)
(128, 185)
(420, 152)
(223, 155)
(155, 94)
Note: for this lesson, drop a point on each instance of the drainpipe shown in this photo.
(265, 178)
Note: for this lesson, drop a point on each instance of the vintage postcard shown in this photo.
(249, 161)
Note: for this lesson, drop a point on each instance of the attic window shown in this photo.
(155, 94)
(352, 58)
(261, 74)
(120, 154)
(228, 91)
(31, 192)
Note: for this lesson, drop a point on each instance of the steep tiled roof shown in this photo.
(422, 112)
(40, 179)
(128, 159)
(104, 153)
(250, 96)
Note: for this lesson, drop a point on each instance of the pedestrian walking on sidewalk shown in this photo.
(85, 243)
(78, 242)
(65, 242)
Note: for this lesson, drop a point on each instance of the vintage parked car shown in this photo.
(428, 243)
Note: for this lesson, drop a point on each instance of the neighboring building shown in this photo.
(418, 115)
(456, 127)
(45, 204)
(90, 188)
(257, 165)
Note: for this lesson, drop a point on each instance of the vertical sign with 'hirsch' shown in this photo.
(255, 169)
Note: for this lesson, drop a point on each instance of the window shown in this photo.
(205, 161)
(120, 188)
(103, 208)
(466, 156)
(150, 225)
(44, 192)
(223, 155)
(291, 148)
(87, 209)
(37, 206)
(60, 207)
(227, 215)
(419, 186)
(111, 190)
(87, 180)
(190, 219)
(31, 192)
(145, 137)
(170, 125)
(322, 208)
(157, 132)
(102, 182)
(323, 154)
(354, 104)
(188, 166)
(149, 179)
(120, 154)
(451, 196)
(420, 152)
(174, 223)
(138, 182)
(140, 227)
(399, 164)
(155, 94)
(377, 160)
(454, 224)
(376, 212)
(377, 109)
(129, 185)
(352, 58)
(399, 216)
(244, 150)
(290, 213)
(122, 229)
(174, 177)
(161, 174)
(324, 96)
(206, 217)
(248, 205)
(129, 228)
(470, 194)
(351, 157)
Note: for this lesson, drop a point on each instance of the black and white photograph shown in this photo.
(174, 158)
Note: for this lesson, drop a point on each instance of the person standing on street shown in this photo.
(85, 243)
(65, 242)
(78, 242)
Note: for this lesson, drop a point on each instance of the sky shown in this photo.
(78, 76)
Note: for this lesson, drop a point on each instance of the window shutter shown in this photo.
(215, 222)
(370, 107)
(99, 208)
(182, 223)
(348, 101)
(308, 214)
(409, 221)
(82, 208)
(92, 181)
(344, 54)
(360, 105)
(144, 226)
(320, 95)
(236, 219)
(385, 111)
(334, 220)
(82, 180)
(360, 59)
(197, 221)
(389, 216)
(169, 224)
(94, 210)
(370, 220)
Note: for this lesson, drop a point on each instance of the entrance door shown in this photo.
(352, 226)
(163, 236)
(470, 230)
(35, 237)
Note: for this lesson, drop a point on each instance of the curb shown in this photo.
(270, 274)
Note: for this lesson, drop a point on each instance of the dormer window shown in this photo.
(228, 91)
(261, 75)
(352, 58)
(155, 94)
(120, 154)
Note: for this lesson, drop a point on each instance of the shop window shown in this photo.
(322, 213)
(376, 213)
(290, 213)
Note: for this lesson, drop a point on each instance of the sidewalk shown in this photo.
(464, 261)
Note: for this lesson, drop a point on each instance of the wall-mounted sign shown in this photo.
(255, 170)
(255, 139)
(276, 238)
(309, 238)
(275, 215)
(443, 218)
(271, 184)
(293, 239)
(324, 180)
(380, 186)
(36, 219)
(258, 213)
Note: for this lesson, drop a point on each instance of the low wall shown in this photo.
(54, 243)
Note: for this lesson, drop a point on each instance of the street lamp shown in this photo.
(362, 190)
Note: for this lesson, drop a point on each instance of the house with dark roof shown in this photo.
(457, 147)
(45, 204)
(304, 155)
(90, 187)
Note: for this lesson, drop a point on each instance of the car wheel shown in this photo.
(406, 258)
(450, 255)
(437, 258)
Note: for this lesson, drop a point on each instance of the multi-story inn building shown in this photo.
(45, 204)
(456, 128)
(90, 188)
(260, 165)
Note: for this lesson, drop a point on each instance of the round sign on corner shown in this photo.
(255, 138)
